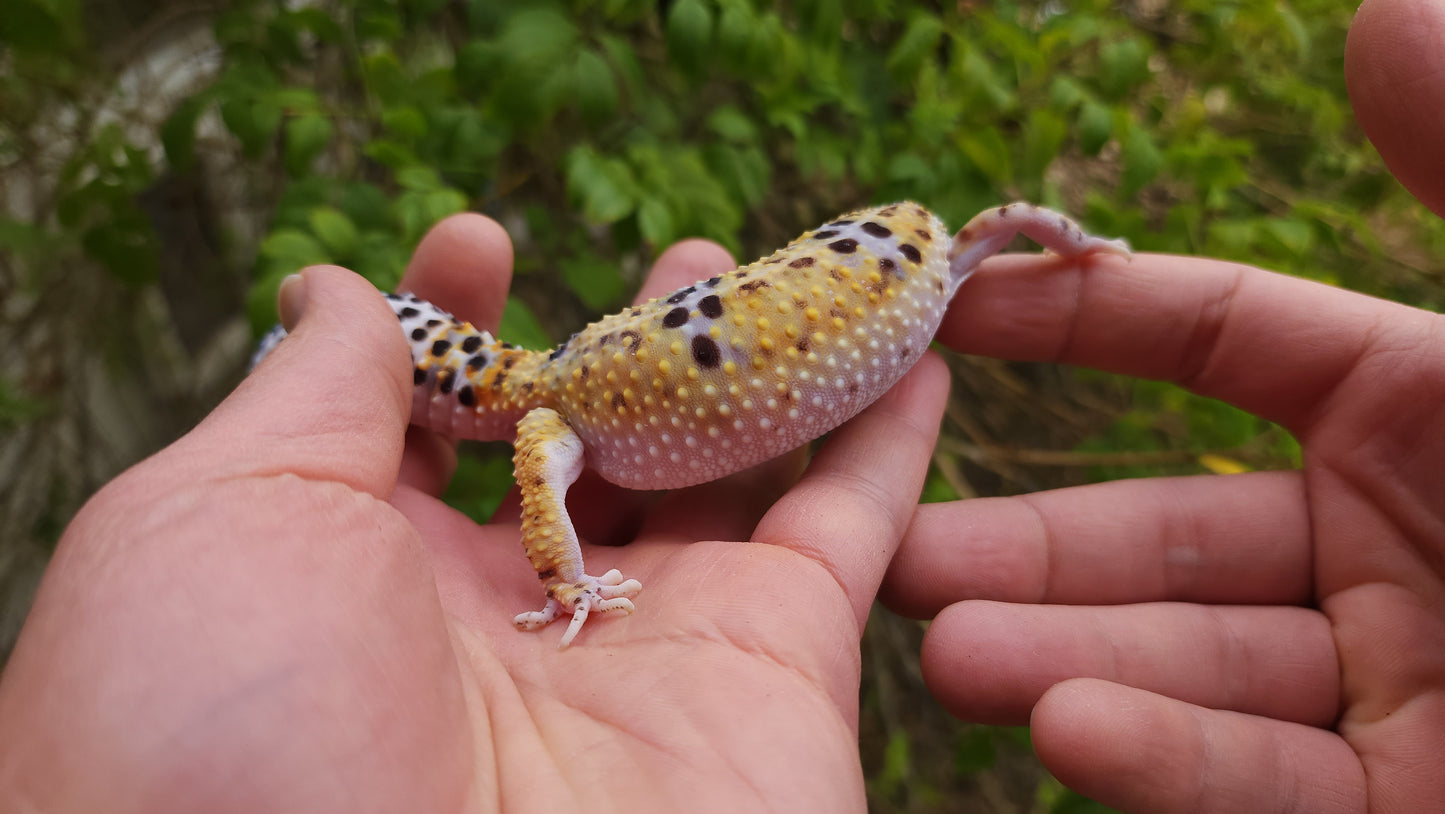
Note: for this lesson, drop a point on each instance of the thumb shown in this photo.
(1395, 70)
(330, 403)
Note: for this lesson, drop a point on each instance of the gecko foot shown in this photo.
(608, 593)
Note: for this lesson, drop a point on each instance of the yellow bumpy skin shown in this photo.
(710, 379)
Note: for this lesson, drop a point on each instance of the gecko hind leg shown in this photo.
(548, 459)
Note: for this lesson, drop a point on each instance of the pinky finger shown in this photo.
(1138, 751)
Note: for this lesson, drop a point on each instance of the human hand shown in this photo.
(278, 613)
(1262, 642)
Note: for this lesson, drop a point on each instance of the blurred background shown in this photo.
(164, 164)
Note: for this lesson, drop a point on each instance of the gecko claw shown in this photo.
(609, 593)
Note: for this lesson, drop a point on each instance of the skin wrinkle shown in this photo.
(1202, 347)
(815, 551)
(1376, 494)
(1238, 681)
(1175, 573)
(1203, 760)
(1065, 351)
(1051, 548)
(1304, 422)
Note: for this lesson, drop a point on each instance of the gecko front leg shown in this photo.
(548, 459)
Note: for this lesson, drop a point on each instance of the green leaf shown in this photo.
(293, 249)
(597, 95)
(478, 485)
(689, 31)
(335, 230)
(655, 220)
(405, 121)
(423, 179)
(732, 124)
(1125, 66)
(441, 203)
(366, 206)
(521, 327)
(127, 247)
(1295, 237)
(385, 79)
(389, 153)
(178, 133)
(1095, 127)
(917, 45)
(40, 27)
(986, 148)
(595, 281)
(306, 137)
(1141, 158)
(1044, 135)
(604, 185)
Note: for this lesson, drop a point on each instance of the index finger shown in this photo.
(1274, 345)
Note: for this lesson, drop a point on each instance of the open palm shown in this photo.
(1271, 641)
(277, 613)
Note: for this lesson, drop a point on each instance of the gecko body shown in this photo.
(710, 379)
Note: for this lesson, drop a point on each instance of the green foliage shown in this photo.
(604, 130)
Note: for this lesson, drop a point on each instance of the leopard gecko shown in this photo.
(708, 380)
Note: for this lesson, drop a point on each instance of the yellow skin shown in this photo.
(711, 379)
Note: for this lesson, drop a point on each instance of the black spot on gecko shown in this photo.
(924, 235)
(706, 351)
(911, 252)
(634, 343)
(418, 335)
(754, 286)
(550, 572)
(477, 362)
(418, 376)
(604, 340)
(876, 229)
(887, 266)
(618, 400)
(712, 283)
(445, 380)
(440, 346)
(634, 313)
(825, 234)
(801, 263)
(508, 346)
(711, 306)
(841, 223)
(561, 348)
(432, 323)
(499, 380)
(467, 397)
(675, 318)
(471, 343)
(844, 246)
(802, 345)
(407, 313)
(680, 295)
(508, 362)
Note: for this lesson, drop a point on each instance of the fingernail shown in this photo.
(291, 300)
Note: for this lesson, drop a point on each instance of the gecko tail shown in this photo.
(991, 230)
(269, 342)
